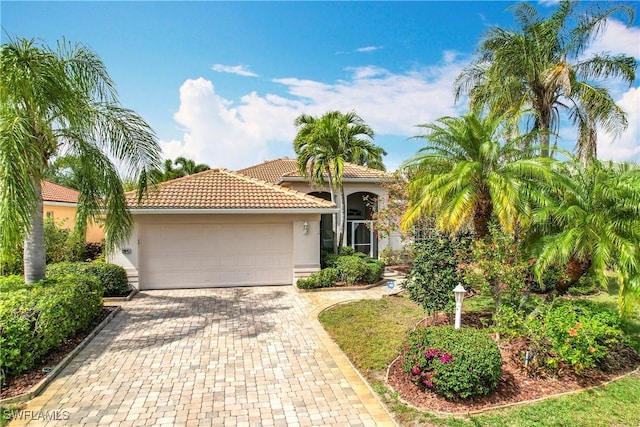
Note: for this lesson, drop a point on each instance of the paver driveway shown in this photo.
(239, 356)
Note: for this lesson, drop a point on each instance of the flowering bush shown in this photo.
(455, 364)
(579, 332)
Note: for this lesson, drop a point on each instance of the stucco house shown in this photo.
(60, 204)
(221, 228)
(364, 195)
(260, 226)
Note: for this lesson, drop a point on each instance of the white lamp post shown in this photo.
(459, 292)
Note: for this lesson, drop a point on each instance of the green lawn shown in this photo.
(371, 333)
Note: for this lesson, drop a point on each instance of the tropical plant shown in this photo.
(63, 101)
(324, 144)
(189, 167)
(542, 68)
(181, 166)
(467, 172)
(592, 225)
(65, 170)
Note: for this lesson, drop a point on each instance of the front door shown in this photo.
(360, 236)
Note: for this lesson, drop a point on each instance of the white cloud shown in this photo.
(215, 133)
(241, 70)
(368, 49)
(617, 38)
(221, 133)
(627, 147)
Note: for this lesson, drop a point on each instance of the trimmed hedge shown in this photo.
(454, 363)
(323, 279)
(35, 319)
(112, 277)
(348, 268)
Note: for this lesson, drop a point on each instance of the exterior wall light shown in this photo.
(305, 227)
(459, 292)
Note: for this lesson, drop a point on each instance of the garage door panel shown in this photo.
(210, 255)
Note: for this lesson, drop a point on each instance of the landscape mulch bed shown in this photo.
(515, 385)
(23, 383)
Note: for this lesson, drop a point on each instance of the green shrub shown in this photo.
(435, 271)
(500, 268)
(375, 269)
(60, 245)
(329, 277)
(93, 251)
(508, 322)
(36, 320)
(330, 260)
(12, 283)
(346, 250)
(547, 281)
(580, 333)
(325, 278)
(352, 268)
(310, 282)
(454, 363)
(112, 277)
(587, 285)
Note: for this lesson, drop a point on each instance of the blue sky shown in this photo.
(222, 82)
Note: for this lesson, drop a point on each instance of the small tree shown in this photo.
(436, 271)
(499, 267)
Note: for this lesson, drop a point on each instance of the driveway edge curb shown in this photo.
(334, 349)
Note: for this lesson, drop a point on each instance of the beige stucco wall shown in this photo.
(64, 215)
(306, 247)
(392, 241)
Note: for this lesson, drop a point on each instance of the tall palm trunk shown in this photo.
(343, 217)
(482, 215)
(544, 123)
(34, 249)
(334, 216)
(574, 270)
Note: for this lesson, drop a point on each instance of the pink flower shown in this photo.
(445, 358)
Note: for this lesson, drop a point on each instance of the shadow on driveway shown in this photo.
(158, 318)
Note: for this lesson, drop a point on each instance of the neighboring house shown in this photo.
(60, 204)
(364, 193)
(222, 228)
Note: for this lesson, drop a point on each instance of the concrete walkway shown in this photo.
(232, 357)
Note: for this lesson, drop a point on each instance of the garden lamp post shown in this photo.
(459, 292)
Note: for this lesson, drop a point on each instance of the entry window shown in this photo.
(360, 236)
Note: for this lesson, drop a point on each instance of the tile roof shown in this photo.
(223, 189)
(52, 192)
(271, 170)
(279, 170)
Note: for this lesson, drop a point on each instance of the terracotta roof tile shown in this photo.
(271, 170)
(52, 192)
(279, 170)
(223, 189)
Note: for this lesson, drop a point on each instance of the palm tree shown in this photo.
(541, 68)
(185, 167)
(189, 167)
(324, 144)
(467, 173)
(591, 225)
(63, 100)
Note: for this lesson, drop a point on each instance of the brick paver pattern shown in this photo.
(228, 357)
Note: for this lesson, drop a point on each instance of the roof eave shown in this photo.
(367, 180)
(227, 211)
(58, 203)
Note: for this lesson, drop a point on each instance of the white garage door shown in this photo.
(215, 255)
